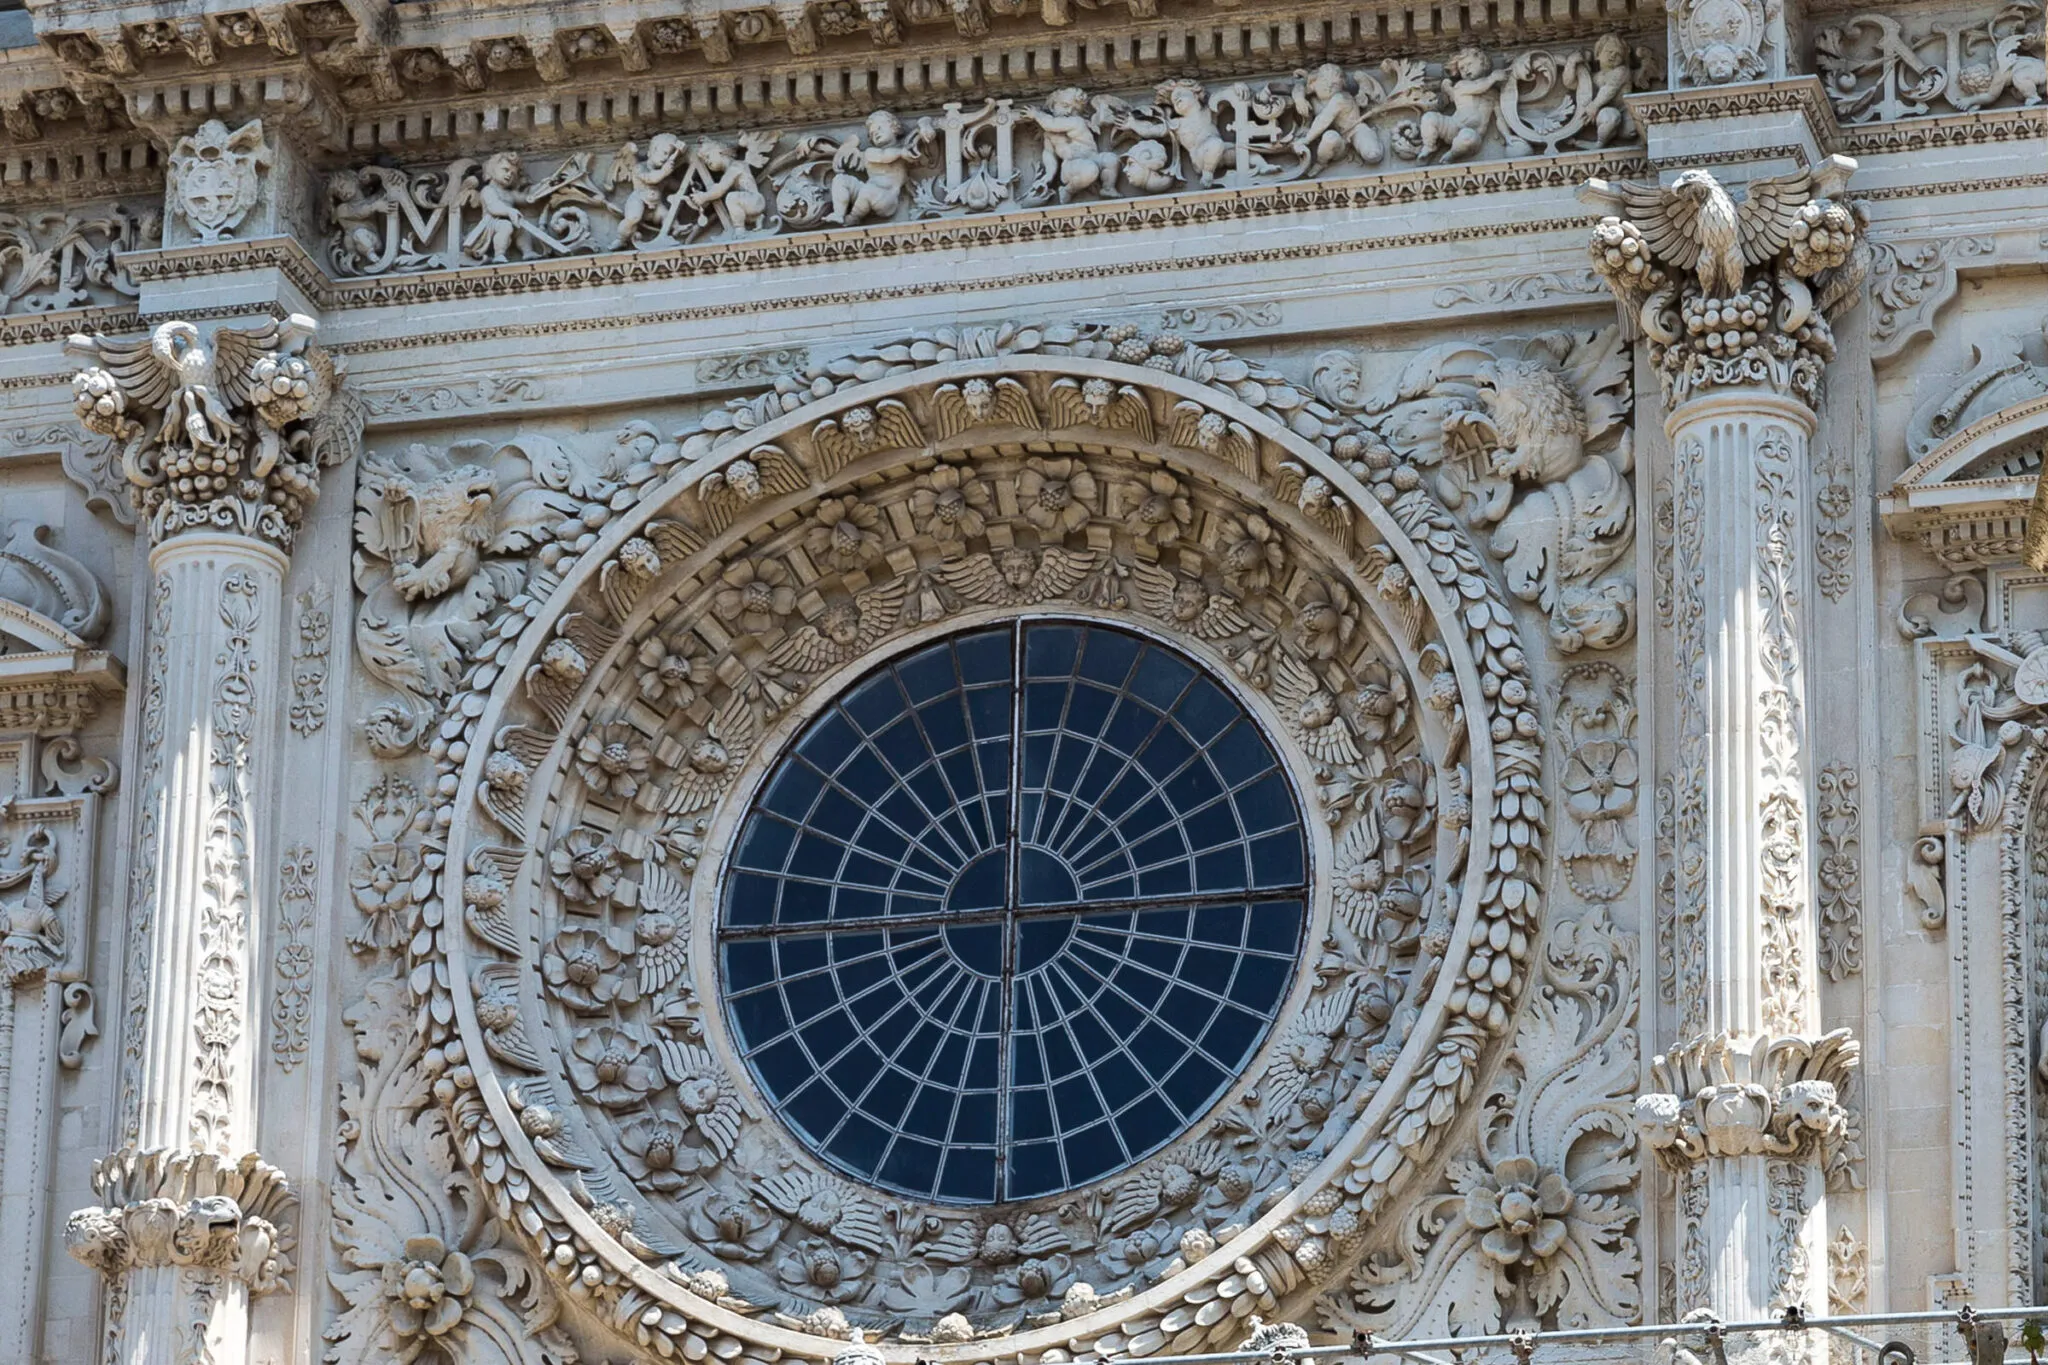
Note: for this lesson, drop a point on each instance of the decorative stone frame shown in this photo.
(1385, 1150)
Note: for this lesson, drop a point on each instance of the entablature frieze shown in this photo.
(830, 55)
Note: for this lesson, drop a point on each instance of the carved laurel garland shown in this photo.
(802, 463)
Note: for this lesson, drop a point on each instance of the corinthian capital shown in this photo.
(227, 433)
(1734, 292)
(1775, 1095)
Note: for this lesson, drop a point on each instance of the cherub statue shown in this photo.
(1473, 88)
(1599, 86)
(872, 179)
(359, 218)
(1183, 114)
(502, 219)
(1336, 120)
(649, 177)
(727, 175)
(1073, 157)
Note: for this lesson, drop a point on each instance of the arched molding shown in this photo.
(1416, 572)
(1964, 503)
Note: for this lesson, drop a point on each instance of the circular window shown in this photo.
(1013, 912)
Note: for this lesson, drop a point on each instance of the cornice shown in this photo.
(1947, 130)
(284, 254)
(22, 329)
(55, 692)
(117, 166)
(1803, 95)
(371, 72)
(1985, 185)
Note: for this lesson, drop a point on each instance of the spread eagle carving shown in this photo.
(200, 391)
(1696, 224)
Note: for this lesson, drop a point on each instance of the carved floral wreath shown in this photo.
(598, 747)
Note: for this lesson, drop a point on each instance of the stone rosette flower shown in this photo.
(1160, 510)
(613, 1066)
(1519, 1210)
(1600, 779)
(381, 884)
(824, 1272)
(427, 1291)
(846, 533)
(587, 972)
(1326, 616)
(673, 671)
(735, 1228)
(651, 1146)
(584, 867)
(1057, 495)
(1252, 552)
(612, 759)
(950, 504)
(757, 595)
(1033, 1279)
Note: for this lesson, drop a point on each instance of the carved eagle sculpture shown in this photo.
(1696, 224)
(197, 386)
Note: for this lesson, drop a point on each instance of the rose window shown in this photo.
(1013, 912)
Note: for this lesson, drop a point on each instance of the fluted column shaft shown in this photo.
(1752, 1235)
(189, 1032)
(1740, 546)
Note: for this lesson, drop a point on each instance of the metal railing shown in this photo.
(1978, 1336)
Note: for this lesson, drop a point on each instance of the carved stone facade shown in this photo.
(1568, 481)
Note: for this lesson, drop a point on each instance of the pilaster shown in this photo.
(222, 440)
(1732, 287)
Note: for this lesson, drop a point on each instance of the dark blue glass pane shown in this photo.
(1002, 1044)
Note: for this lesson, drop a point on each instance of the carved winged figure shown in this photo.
(195, 389)
(428, 523)
(1696, 224)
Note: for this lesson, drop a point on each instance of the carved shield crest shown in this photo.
(215, 176)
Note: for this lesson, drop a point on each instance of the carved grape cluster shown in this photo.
(281, 388)
(1822, 238)
(97, 399)
(1731, 325)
